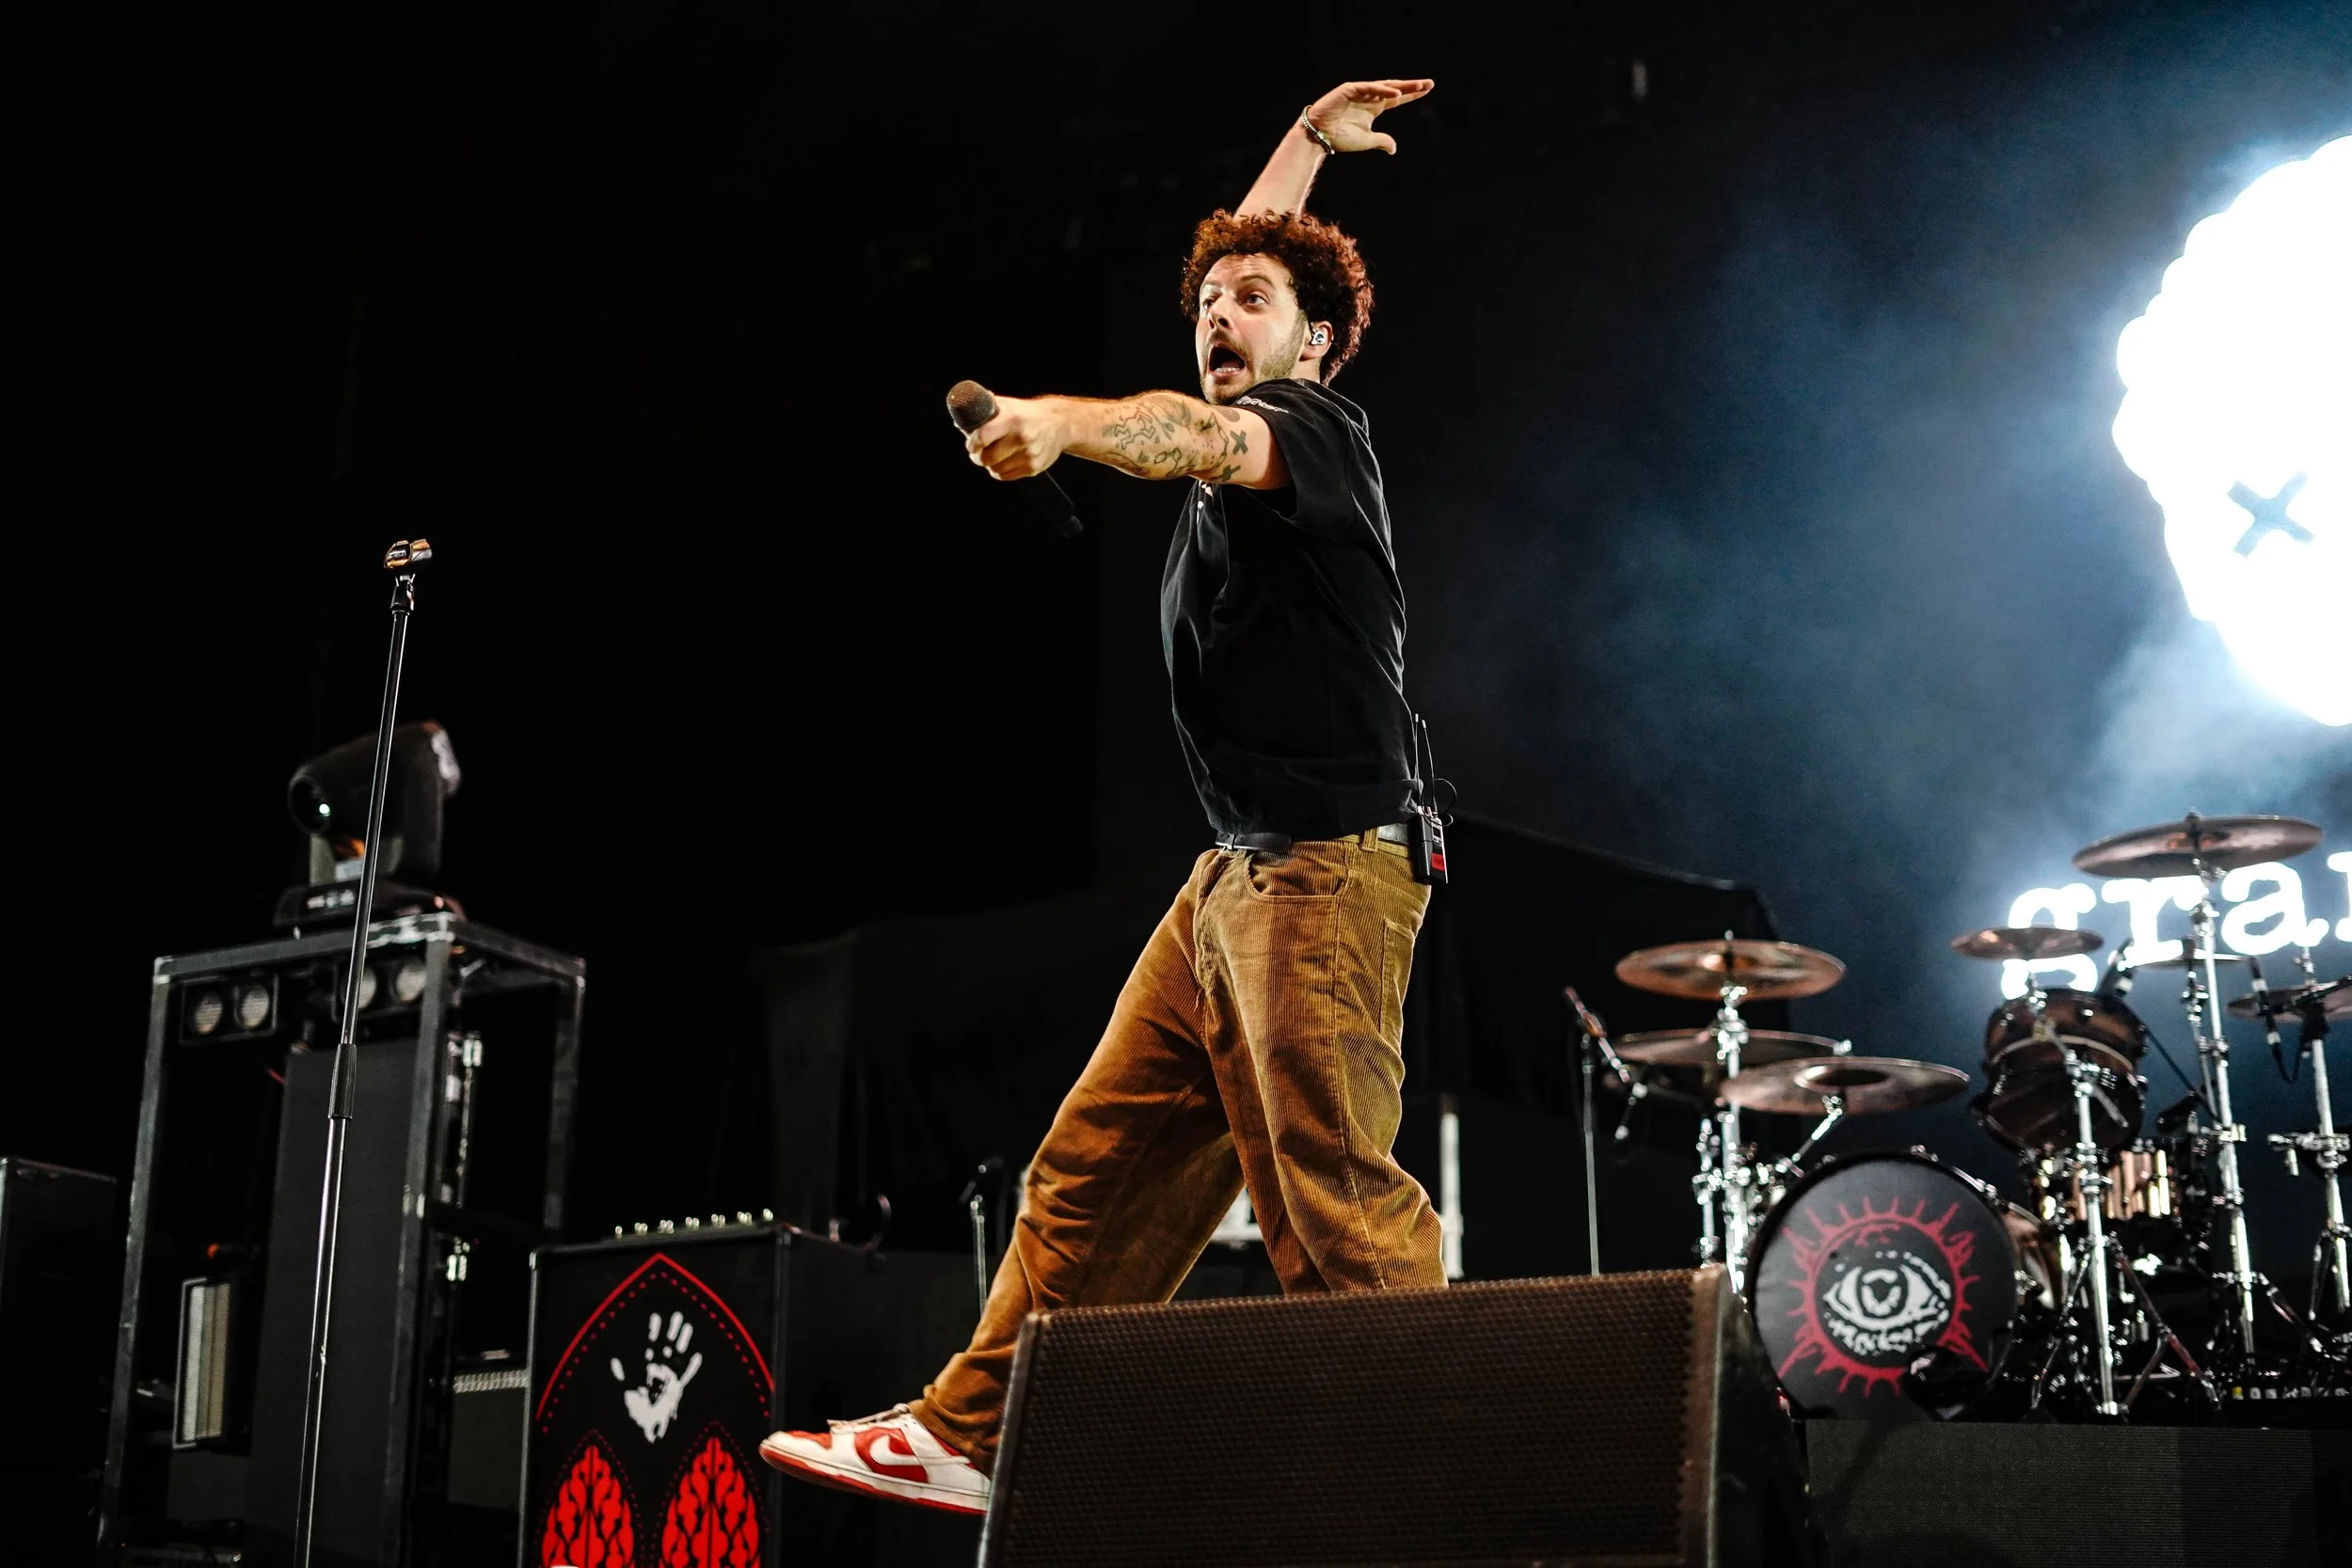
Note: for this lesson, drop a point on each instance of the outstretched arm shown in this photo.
(1345, 115)
(1151, 436)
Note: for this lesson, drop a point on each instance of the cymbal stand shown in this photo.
(2202, 999)
(1737, 1181)
(2328, 1149)
(2090, 1180)
(1707, 1187)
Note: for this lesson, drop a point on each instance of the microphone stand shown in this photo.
(404, 560)
(975, 1205)
(1593, 1034)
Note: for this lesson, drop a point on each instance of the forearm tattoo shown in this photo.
(1165, 436)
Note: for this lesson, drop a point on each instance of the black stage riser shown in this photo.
(1919, 1495)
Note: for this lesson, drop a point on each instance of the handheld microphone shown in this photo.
(972, 405)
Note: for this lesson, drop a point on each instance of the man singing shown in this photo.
(1258, 1040)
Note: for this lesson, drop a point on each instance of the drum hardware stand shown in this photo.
(1725, 1184)
(2161, 1332)
(2094, 1269)
(2203, 998)
(2328, 1149)
(1707, 1186)
(1833, 1111)
(403, 560)
(2090, 1180)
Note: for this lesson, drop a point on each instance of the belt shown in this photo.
(1390, 838)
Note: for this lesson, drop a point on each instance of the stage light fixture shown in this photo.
(2238, 414)
(328, 798)
(207, 1006)
(367, 986)
(219, 1009)
(409, 980)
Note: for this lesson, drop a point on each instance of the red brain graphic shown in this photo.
(589, 1524)
(712, 1521)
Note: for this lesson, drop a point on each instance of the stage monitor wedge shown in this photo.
(1628, 1421)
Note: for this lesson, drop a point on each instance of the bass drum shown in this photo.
(1886, 1287)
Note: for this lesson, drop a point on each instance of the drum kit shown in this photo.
(1889, 1284)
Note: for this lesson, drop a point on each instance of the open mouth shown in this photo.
(1225, 361)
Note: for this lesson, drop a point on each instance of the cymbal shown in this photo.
(1696, 1048)
(1868, 1084)
(2027, 942)
(1770, 971)
(2173, 849)
(2333, 996)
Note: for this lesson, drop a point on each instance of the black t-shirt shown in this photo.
(1283, 624)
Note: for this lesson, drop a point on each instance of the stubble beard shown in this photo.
(1286, 362)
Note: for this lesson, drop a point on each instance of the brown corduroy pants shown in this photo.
(1258, 1042)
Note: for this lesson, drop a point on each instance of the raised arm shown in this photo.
(1345, 115)
(1151, 436)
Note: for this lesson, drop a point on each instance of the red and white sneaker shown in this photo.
(889, 1455)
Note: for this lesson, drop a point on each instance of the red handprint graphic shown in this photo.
(589, 1524)
(713, 1521)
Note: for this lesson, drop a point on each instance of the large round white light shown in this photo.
(2238, 414)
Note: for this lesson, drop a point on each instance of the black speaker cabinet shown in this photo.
(1627, 1419)
(660, 1361)
(59, 1255)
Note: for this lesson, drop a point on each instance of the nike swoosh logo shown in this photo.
(874, 1437)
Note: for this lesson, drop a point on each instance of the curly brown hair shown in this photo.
(1323, 264)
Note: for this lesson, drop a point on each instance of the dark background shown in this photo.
(1747, 444)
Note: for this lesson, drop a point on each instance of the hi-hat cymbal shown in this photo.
(1769, 971)
(1696, 1048)
(1867, 1084)
(2221, 843)
(2333, 996)
(2026, 942)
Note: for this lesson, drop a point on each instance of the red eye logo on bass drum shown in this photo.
(1878, 1269)
(1876, 1291)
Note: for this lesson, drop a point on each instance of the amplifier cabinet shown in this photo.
(660, 1361)
(59, 1272)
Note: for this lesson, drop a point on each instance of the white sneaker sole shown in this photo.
(921, 1494)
